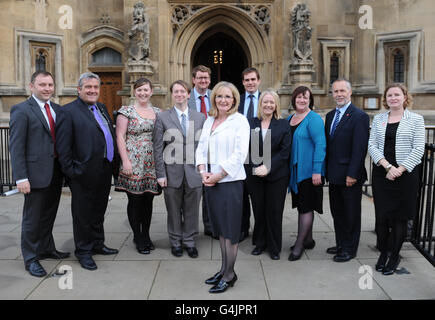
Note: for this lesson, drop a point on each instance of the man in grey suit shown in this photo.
(174, 150)
(37, 171)
(200, 101)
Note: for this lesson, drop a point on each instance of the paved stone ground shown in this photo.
(159, 275)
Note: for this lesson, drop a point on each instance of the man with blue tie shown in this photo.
(36, 170)
(199, 101)
(174, 153)
(88, 156)
(248, 107)
(347, 132)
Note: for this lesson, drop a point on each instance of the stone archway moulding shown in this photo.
(99, 38)
(260, 53)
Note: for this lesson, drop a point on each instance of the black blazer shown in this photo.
(347, 148)
(31, 144)
(80, 140)
(280, 146)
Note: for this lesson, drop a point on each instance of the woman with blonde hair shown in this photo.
(268, 174)
(396, 146)
(221, 153)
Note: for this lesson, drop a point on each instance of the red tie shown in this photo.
(51, 121)
(203, 107)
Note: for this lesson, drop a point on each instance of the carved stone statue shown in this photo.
(302, 50)
(139, 34)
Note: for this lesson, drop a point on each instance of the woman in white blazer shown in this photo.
(396, 146)
(220, 156)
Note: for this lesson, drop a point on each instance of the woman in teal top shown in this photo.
(307, 167)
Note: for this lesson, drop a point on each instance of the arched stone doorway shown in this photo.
(229, 23)
(224, 52)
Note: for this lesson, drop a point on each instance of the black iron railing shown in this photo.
(422, 236)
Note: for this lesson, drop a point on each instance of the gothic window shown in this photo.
(334, 67)
(396, 62)
(106, 56)
(399, 66)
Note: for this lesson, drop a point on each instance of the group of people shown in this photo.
(224, 148)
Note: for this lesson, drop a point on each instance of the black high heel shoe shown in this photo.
(307, 245)
(391, 266)
(294, 257)
(215, 279)
(222, 286)
(380, 265)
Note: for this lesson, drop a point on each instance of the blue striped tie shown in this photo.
(336, 120)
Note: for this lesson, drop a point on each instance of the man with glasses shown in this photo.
(200, 101)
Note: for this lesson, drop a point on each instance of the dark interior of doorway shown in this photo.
(234, 59)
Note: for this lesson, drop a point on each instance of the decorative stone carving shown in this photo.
(260, 14)
(302, 50)
(139, 64)
(105, 18)
(302, 66)
(139, 34)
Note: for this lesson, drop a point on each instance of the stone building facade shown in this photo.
(290, 41)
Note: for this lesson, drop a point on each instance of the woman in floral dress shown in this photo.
(137, 176)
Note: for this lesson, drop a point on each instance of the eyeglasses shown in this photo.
(202, 78)
(224, 97)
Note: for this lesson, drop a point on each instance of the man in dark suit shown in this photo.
(199, 101)
(88, 156)
(248, 107)
(347, 132)
(174, 152)
(37, 171)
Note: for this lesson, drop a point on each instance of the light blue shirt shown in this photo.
(248, 100)
(198, 101)
(342, 112)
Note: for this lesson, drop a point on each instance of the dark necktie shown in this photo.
(336, 120)
(52, 125)
(107, 134)
(203, 107)
(250, 113)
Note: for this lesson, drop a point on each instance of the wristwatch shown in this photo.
(388, 167)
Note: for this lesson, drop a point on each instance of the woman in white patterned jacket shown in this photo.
(396, 146)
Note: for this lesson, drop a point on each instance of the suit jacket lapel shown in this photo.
(37, 111)
(174, 117)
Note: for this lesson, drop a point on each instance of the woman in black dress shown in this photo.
(396, 146)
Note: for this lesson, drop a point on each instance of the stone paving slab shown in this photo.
(419, 284)
(16, 283)
(179, 280)
(319, 280)
(124, 280)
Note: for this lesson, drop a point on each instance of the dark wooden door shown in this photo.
(111, 83)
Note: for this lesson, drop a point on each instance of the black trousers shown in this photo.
(90, 195)
(39, 212)
(268, 198)
(345, 204)
(246, 216)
